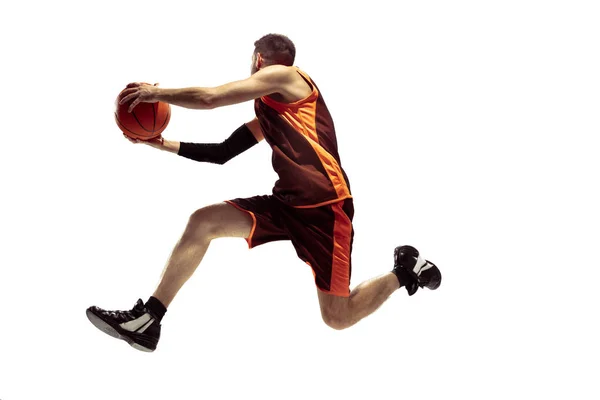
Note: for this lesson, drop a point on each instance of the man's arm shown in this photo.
(254, 127)
(269, 80)
(242, 139)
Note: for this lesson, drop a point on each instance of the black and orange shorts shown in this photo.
(322, 236)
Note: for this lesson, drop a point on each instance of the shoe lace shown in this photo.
(125, 315)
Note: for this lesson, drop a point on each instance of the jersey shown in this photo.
(305, 151)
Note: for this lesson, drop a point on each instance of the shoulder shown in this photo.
(280, 73)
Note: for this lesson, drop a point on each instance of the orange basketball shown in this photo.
(146, 121)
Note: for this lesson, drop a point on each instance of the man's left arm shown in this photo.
(272, 79)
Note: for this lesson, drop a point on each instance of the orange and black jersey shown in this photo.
(305, 152)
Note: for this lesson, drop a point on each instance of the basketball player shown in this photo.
(311, 204)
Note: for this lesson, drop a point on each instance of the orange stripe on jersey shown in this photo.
(340, 265)
(333, 171)
(302, 116)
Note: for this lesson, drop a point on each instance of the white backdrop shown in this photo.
(468, 129)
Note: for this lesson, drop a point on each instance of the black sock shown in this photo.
(156, 307)
(402, 275)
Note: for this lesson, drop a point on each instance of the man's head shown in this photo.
(272, 49)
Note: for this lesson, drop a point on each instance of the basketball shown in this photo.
(146, 121)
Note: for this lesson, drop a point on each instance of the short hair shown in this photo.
(276, 49)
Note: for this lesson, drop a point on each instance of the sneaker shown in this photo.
(422, 273)
(137, 326)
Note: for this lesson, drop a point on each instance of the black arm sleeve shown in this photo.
(219, 153)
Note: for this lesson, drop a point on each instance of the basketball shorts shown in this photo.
(322, 236)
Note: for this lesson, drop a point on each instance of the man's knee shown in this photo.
(220, 220)
(337, 318)
(335, 322)
(202, 223)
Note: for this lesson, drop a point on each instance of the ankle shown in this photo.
(156, 307)
(402, 276)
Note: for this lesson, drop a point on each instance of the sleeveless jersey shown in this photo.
(305, 153)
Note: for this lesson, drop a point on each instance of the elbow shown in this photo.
(206, 100)
(203, 103)
(220, 155)
(223, 160)
(207, 103)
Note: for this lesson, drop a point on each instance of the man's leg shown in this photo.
(410, 270)
(342, 312)
(140, 326)
(206, 224)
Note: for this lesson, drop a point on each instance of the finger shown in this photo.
(135, 103)
(129, 97)
(134, 84)
(132, 140)
(129, 90)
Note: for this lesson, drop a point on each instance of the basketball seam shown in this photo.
(138, 121)
(156, 131)
(154, 118)
(166, 120)
(124, 127)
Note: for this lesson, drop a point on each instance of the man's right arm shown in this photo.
(254, 127)
(170, 146)
(242, 139)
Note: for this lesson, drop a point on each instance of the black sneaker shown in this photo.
(137, 326)
(422, 273)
